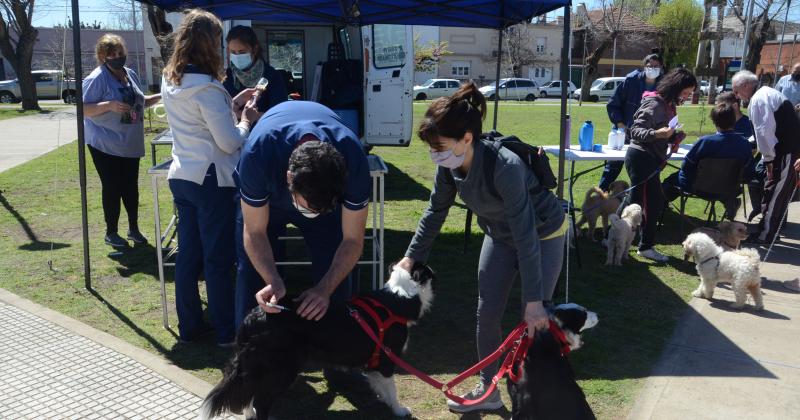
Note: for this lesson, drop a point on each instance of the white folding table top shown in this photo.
(575, 154)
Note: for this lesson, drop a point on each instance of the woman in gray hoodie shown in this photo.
(650, 136)
(523, 228)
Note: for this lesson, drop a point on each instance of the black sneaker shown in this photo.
(115, 240)
(137, 237)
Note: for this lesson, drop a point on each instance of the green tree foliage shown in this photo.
(426, 57)
(680, 22)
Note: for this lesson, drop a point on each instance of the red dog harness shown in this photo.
(516, 344)
(368, 304)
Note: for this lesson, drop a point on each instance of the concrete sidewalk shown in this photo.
(726, 364)
(52, 366)
(25, 138)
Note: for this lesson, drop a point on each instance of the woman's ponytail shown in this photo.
(453, 116)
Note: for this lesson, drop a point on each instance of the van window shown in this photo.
(453, 84)
(555, 84)
(42, 77)
(524, 83)
(440, 85)
(388, 45)
(609, 86)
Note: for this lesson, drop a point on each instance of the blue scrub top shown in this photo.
(112, 133)
(261, 173)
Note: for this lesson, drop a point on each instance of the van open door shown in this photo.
(388, 84)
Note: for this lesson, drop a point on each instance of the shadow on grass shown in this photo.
(129, 322)
(35, 244)
(400, 186)
(140, 258)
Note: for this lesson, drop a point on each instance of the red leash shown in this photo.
(517, 342)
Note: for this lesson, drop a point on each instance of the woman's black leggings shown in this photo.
(641, 165)
(119, 177)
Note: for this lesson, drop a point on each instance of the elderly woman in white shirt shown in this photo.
(206, 148)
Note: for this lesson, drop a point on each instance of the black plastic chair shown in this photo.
(716, 180)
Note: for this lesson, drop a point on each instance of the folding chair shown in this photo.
(716, 180)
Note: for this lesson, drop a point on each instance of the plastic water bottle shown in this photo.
(586, 136)
(620, 143)
(612, 139)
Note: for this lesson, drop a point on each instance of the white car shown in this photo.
(553, 88)
(512, 88)
(704, 85)
(436, 88)
(602, 88)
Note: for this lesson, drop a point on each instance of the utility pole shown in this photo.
(614, 58)
(780, 45)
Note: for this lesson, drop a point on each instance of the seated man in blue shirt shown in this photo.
(725, 144)
(302, 166)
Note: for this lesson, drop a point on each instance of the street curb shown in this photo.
(154, 362)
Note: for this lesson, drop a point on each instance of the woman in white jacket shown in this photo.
(207, 144)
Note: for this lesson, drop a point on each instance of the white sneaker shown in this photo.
(493, 402)
(652, 254)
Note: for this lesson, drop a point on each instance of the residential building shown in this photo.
(474, 52)
(637, 39)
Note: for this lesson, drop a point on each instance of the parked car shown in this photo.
(602, 88)
(512, 88)
(553, 88)
(50, 84)
(704, 85)
(436, 88)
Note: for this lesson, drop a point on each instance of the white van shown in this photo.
(602, 88)
(382, 55)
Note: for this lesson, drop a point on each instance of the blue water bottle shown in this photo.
(586, 136)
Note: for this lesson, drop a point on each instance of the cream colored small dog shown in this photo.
(715, 265)
(621, 233)
(728, 235)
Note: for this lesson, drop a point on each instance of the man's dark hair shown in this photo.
(723, 116)
(656, 57)
(674, 82)
(319, 175)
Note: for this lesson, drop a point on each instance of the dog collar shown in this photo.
(715, 257)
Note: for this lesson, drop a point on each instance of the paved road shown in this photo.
(27, 137)
(728, 364)
(54, 367)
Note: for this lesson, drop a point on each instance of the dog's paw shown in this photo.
(401, 411)
(737, 305)
(698, 294)
(759, 308)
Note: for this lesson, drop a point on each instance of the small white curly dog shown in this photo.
(715, 265)
(621, 233)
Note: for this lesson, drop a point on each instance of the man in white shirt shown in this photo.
(777, 135)
(789, 86)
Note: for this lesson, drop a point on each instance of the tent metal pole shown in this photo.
(497, 77)
(565, 53)
(76, 48)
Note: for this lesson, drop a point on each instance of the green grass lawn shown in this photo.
(638, 304)
(6, 113)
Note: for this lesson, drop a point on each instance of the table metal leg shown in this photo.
(381, 249)
(160, 254)
(153, 153)
(374, 233)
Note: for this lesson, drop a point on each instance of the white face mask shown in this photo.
(309, 214)
(241, 61)
(652, 72)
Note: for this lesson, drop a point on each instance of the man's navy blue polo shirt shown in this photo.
(261, 173)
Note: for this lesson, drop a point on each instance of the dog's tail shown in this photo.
(230, 394)
(595, 191)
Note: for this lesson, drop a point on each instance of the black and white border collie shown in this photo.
(546, 388)
(271, 349)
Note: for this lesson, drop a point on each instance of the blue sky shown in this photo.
(52, 12)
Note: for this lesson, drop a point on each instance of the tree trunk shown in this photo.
(161, 30)
(27, 86)
(761, 32)
(590, 68)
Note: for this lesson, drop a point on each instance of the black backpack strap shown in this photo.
(490, 154)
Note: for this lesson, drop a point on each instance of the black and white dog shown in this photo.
(546, 388)
(271, 349)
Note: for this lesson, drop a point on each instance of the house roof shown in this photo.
(629, 21)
